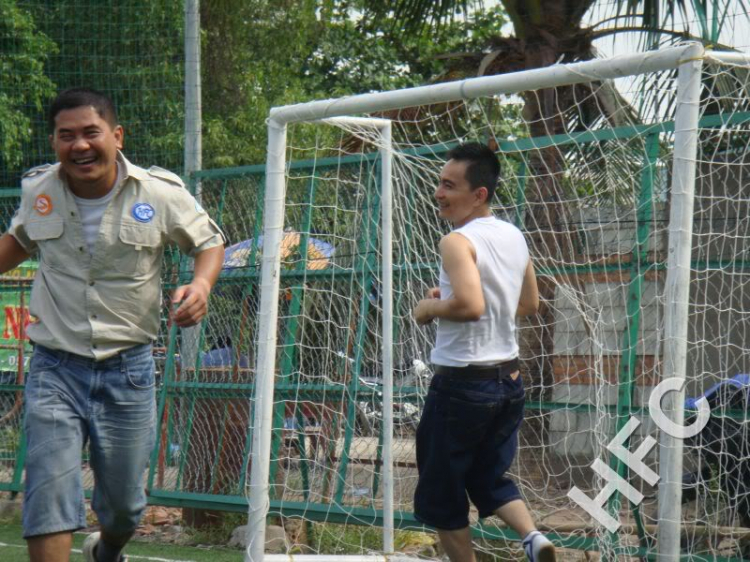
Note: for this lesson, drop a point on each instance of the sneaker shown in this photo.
(89, 546)
(538, 548)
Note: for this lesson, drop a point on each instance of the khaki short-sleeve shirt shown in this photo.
(98, 305)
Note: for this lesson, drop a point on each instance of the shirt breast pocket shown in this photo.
(139, 249)
(48, 236)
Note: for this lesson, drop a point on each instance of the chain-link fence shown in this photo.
(130, 49)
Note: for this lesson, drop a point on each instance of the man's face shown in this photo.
(457, 202)
(86, 146)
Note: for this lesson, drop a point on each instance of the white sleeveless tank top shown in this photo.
(502, 258)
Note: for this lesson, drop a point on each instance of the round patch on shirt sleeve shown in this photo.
(43, 204)
(143, 212)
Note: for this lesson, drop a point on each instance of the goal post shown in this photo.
(634, 263)
(264, 397)
(677, 290)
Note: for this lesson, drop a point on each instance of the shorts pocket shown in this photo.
(515, 389)
(469, 420)
(141, 375)
(43, 361)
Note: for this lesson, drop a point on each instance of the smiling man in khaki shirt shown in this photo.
(99, 225)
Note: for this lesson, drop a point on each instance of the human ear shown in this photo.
(481, 194)
(119, 136)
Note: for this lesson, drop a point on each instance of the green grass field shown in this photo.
(13, 549)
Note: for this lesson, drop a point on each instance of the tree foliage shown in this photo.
(132, 50)
(256, 54)
(361, 54)
(253, 63)
(25, 87)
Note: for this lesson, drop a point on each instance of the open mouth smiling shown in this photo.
(84, 161)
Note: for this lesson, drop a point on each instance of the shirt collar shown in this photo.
(130, 170)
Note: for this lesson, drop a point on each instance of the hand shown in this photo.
(194, 303)
(433, 293)
(423, 311)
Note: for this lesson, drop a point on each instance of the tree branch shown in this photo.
(680, 34)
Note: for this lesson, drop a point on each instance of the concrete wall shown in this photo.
(590, 311)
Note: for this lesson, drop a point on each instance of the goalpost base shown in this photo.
(340, 558)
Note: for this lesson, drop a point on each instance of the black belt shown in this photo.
(478, 372)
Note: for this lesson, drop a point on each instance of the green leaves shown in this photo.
(25, 88)
(416, 15)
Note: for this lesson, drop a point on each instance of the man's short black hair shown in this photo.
(483, 168)
(82, 97)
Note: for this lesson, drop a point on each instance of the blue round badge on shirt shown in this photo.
(143, 212)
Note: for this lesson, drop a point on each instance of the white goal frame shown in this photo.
(688, 58)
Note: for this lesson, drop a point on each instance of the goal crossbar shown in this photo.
(548, 77)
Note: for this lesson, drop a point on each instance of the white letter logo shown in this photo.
(634, 461)
(668, 426)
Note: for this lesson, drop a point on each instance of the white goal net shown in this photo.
(628, 179)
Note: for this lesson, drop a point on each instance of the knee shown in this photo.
(119, 515)
(120, 524)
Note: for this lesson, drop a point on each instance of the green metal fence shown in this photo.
(206, 379)
(15, 351)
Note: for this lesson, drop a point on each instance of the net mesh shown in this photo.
(586, 176)
(127, 49)
(716, 495)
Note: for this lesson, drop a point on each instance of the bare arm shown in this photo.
(11, 253)
(467, 303)
(194, 296)
(528, 304)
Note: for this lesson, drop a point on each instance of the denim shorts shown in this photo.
(72, 400)
(466, 441)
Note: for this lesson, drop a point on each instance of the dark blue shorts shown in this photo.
(466, 441)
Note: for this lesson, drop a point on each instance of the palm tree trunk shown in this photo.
(545, 216)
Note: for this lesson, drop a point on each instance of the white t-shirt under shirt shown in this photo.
(502, 258)
(92, 211)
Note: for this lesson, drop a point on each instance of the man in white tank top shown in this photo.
(467, 437)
